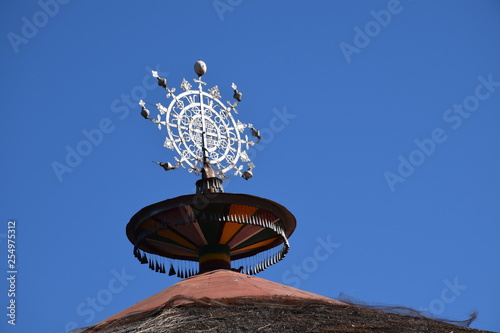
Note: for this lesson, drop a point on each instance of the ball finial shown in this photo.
(200, 68)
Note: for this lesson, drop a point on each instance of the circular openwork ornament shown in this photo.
(202, 129)
(200, 126)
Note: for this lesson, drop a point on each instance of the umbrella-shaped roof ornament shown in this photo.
(210, 229)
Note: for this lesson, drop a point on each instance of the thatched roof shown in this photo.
(226, 301)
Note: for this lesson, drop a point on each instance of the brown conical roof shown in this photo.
(218, 285)
(227, 301)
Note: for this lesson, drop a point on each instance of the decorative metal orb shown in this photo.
(200, 68)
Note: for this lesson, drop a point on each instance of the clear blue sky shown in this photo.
(382, 137)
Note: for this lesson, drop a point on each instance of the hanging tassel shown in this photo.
(171, 271)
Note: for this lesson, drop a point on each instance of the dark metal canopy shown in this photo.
(182, 227)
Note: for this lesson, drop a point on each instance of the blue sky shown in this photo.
(382, 140)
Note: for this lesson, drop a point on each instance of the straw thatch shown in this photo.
(280, 314)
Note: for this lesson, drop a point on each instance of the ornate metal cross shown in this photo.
(202, 129)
